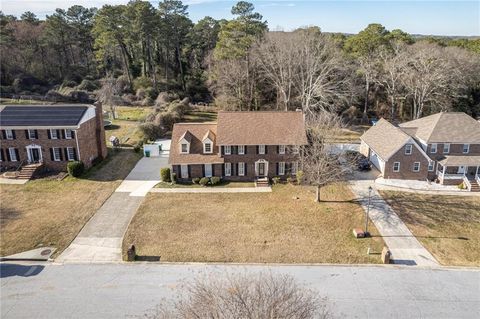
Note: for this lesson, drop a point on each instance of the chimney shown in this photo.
(100, 131)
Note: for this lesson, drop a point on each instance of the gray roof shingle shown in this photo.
(41, 115)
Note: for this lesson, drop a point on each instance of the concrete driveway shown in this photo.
(101, 238)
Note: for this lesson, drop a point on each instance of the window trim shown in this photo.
(67, 137)
(281, 168)
(418, 169)
(431, 148)
(432, 165)
(11, 134)
(241, 149)
(227, 150)
(281, 149)
(294, 168)
(183, 169)
(11, 150)
(68, 154)
(205, 170)
(261, 149)
(241, 169)
(398, 169)
(468, 149)
(52, 131)
(210, 144)
(181, 148)
(410, 148)
(228, 172)
(30, 131)
(55, 159)
(448, 150)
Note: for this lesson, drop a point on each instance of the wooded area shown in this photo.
(135, 54)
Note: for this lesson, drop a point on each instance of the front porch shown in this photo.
(454, 170)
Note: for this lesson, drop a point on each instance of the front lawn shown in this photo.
(448, 226)
(252, 227)
(51, 212)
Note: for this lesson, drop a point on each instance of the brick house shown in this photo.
(240, 146)
(443, 147)
(50, 136)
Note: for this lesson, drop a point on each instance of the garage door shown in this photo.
(375, 161)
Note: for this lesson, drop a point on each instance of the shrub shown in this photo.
(75, 169)
(151, 131)
(87, 85)
(299, 176)
(142, 82)
(290, 180)
(276, 180)
(174, 178)
(165, 174)
(215, 180)
(138, 147)
(461, 186)
(196, 180)
(204, 181)
(69, 83)
(244, 295)
(97, 160)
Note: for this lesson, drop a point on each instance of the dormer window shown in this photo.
(184, 148)
(466, 148)
(207, 147)
(408, 149)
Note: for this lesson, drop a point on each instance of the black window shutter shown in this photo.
(278, 149)
(245, 165)
(14, 135)
(73, 133)
(266, 149)
(17, 155)
(7, 152)
(278, 164)
(36, 134)
(75, 154)
(222, 151)
(4, 134)
(245, 149)
(66, 153)
(258, 149)
(49, 134)
(223, 169)
(63, 134)
(59, 136)
(1, 154)
(234, 149)
(26, 134)
(203, 170)
(51, 154)
(189, 170)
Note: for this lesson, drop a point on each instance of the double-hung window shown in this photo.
(416, 167)
(281, 168)
(241, 149)
(431, 166)
(227, 150)
(228, 169)
(13, 154)
(208, 148)
(261, 149)
(446, 148)
(433, 148)
(9, 134)
(184, 149)
(408, 149)
(396, 167)
(294, 168)
(70, 153)
(57, 154)
(466, 148)
(281, 149)
(241, 169)
(53, 134)
(31, 134)
(68, 134)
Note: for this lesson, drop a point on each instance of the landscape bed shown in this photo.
(448, 226)
(255, 227)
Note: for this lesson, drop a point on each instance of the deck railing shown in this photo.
(467, 183)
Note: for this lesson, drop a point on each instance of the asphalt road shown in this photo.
(131, 290)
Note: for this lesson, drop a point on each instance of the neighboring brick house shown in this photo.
(444, 147)
(50, 136)
(240, 146)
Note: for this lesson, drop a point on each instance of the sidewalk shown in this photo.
(101, 238)
(405, 248)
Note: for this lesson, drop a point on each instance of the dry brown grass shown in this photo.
(448, 226)
(252, 227)
(127, 132)
(51, 212)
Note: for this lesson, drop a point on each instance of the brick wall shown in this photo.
(455, 149)
(406, 165)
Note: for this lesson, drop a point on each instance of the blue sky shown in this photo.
(420, 17)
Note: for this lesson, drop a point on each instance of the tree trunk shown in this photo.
(317, 196)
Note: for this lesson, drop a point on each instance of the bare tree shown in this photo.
(320, 167)
(107, 94)
(248, 296)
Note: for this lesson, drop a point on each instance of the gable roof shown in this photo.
(41, 115)
(385, 139)
(209, 135)
(261, 128)
(450, 127)
(195, 132)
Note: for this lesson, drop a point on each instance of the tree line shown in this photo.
(129, 54)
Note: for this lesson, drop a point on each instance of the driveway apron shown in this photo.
(101, 238)
(405, 248)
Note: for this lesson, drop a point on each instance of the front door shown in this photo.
(461, 170)
(208, 170)
(35, 156)
(261, 169)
